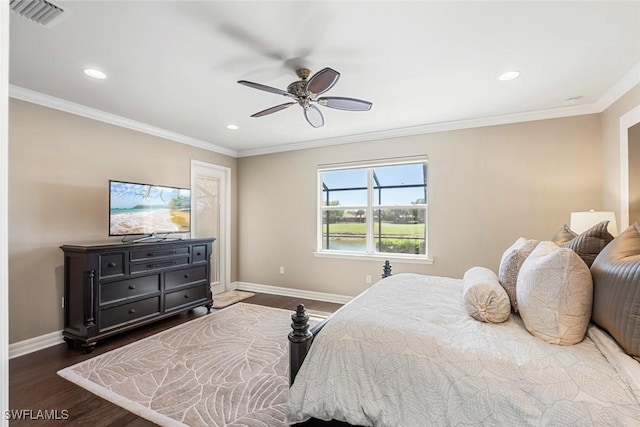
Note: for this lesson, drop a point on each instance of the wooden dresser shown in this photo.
(110, 288)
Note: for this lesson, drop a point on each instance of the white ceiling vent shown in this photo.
(39, 11)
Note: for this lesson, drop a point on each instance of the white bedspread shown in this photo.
(405, 353)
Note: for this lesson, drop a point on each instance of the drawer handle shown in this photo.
(132, 311)
(186, 295)
(198, 253)
(186, 275)
(132, 287)
(161, 264)
(160, 253)
(111, 264)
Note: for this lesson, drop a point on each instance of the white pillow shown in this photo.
(555, 293)
(483, 297)
(510, 264)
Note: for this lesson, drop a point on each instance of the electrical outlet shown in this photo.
(368, 278)
(281, 270)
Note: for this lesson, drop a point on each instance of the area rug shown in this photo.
(228, 368)
(227, 298)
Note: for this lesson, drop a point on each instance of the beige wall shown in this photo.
(487, 187)
(610, 128)
(59, 167)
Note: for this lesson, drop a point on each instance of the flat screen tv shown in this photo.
(137, 209)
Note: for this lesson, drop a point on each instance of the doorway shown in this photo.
(211, 216)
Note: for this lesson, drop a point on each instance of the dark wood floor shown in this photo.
(34, 384)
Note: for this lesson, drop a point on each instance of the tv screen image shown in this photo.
(148, 209)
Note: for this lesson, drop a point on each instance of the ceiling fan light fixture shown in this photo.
(314, 116)
(509, 75)
(95, 73)
(305, 93)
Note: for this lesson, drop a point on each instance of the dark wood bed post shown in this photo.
(300, 340)
(386, 269)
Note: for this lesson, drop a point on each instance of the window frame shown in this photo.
(370, 251)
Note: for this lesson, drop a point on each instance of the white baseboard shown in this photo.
(289, 292)
(21, 348)
(217, 288)
(30, 345)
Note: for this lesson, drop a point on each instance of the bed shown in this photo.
(406, 352)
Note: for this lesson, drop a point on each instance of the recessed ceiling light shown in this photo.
(96, 74)
(232, 127)
(509, 75)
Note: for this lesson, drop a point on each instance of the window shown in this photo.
(374, 209)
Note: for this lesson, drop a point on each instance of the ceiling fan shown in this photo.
(305, 93)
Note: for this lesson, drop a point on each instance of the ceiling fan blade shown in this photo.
(322, 81)
(265, 88)
(273, 109)
(313, 116)
(348, 104)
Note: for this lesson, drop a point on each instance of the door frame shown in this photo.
(627, 121)
(4, 210)
(224, 248)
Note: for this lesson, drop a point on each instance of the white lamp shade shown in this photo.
(582, 221)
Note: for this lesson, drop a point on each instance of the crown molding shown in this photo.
(622, 86)
(34, 97)
(430, 128)
(626, 83)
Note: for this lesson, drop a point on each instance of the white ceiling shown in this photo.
(172, 66)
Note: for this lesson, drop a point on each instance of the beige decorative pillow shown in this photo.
(483, 297)
(510, 264)
(555, 293)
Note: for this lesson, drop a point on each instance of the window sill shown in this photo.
(374, 257)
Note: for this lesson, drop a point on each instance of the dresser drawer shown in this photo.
(146, 254)
(177, 299)
(150, 265)
(112, 265)
(125, 289)
(117, 316)
(182, 277)
(199, 253)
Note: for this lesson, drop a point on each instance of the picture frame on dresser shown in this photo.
(112, 288)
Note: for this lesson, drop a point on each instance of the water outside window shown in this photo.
(345, 231)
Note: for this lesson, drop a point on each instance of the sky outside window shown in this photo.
(408, 174)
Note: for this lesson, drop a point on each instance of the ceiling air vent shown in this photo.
(39, 11)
